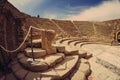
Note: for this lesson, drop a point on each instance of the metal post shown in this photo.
(32, 45)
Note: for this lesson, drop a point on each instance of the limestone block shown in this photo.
(79, 76)
(37, 65)
(85, 68)
(71, 52)
(82, 53)
(51, 50)
(60, 48)
(36, 51)
(50, 75)
(35, 42)
(53, 59)
(47, 38)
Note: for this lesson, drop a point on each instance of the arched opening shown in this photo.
(118, 37)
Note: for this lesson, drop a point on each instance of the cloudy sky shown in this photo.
(85, 10)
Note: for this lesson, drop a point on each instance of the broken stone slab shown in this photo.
(53, 59)
(37, 52)
(67, 66)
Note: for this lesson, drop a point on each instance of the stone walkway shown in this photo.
(100, 72)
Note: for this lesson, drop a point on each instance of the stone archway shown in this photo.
(118, 36)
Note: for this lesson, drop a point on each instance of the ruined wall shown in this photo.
(11, 33)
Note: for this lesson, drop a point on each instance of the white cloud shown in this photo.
(49, 15)
(20, 2)
(105, 11)
(26, 5)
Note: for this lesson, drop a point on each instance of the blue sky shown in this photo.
(85, 10)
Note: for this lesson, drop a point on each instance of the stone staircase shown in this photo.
(62, 65)
(73, 46)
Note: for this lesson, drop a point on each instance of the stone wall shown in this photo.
(11, 33)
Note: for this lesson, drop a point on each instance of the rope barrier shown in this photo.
(11, 51)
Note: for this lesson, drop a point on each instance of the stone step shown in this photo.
(62, 40)
(71, 41)
(35, 36)
(36, 51)
(77, 43)
(65, 43)
(36, 43)
(71, 51)
(58, 72)
(62, 70)
(82, 53)
(110, 61)
(53, 59)
(83, 70)
(40, 64)
(59, 48)
(28, 63)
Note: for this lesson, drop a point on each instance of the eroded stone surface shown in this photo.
(51, 60)
(37, 52)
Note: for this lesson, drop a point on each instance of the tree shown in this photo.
(38, 16)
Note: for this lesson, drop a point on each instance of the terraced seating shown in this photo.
(58, 72)
(72, 46)
(40, 64)
(83, 70)
(67, 26)
(62, 40)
